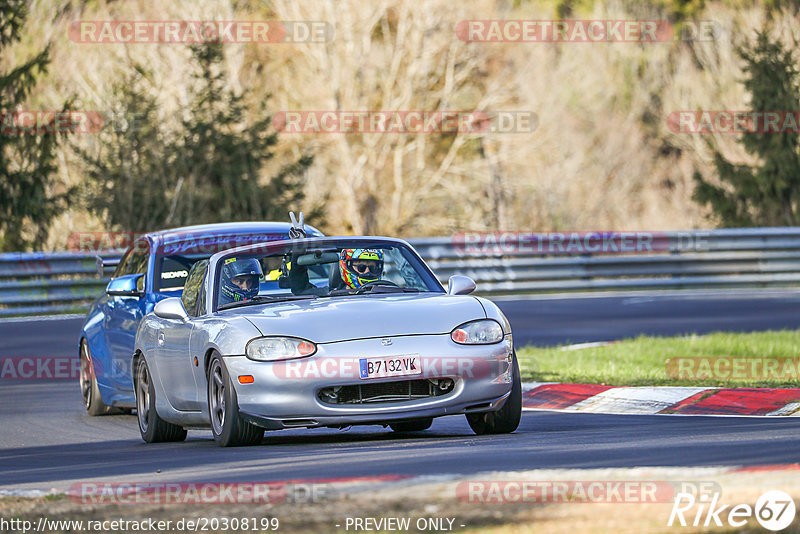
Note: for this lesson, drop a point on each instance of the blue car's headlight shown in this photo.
(480, 332)
(270, 349)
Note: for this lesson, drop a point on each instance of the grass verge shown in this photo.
(762, 359)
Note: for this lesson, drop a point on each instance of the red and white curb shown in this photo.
(593, 398)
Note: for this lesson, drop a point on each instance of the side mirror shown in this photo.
(124, 286)
(460, 285)
(171, 308)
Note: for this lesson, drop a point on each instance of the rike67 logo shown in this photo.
(774, 510)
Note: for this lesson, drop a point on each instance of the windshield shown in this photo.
(339, 268)
(175, 259)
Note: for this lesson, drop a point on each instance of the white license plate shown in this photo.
(405, 365)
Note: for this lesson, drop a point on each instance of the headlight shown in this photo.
(269, 349)
(481, 332)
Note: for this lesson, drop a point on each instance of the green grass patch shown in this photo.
(642, 361)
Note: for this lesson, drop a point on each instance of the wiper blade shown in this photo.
(347, 293)
(384, 289)
(261, 299)
(371, 290)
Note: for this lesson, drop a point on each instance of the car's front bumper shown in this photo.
(286, 394)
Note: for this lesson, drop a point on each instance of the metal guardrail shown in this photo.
(44, 283)
(49, 282)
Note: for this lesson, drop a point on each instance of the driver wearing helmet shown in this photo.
(357, 267)
(239, 280)
(360, 266)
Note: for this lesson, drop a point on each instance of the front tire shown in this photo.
(506, 419)
(88, 381)
(152, 428)
(228, 427)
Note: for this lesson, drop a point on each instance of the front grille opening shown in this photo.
(401, 390)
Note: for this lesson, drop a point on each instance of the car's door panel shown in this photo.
(175, 364)
(122, 317)
(177, 356)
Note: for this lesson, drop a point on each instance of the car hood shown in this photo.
(326, 320)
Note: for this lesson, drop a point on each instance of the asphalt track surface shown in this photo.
(47, 441)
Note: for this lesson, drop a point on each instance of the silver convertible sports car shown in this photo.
(322, 332)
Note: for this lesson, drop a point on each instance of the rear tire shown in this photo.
(228, 427)
(417, 425)
(90, 392)
(152, 428)
(506, 419)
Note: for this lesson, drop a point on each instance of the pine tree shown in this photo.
(222, 153)
(130, 174)
(767, 194)
(28, 202)
(207, 168)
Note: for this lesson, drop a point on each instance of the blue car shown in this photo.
(155, 267)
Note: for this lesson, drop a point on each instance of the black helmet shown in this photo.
(248, 270)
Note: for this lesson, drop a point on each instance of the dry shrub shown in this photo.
(601, 156)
